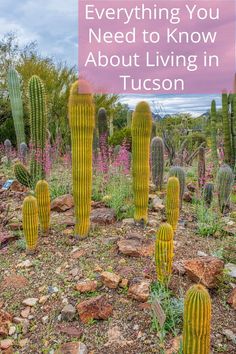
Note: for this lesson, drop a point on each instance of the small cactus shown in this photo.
(225, 180)
(164, 252)
(30, 223)
(43, 200)
(103, 136)
(172, 202)
(157, 159)
(177, 171)
(208, 191)
(23, 152)
(8, 149)
(197, 321)
(22, 175)
(201, 167)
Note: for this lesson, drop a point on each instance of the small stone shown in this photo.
(202, 254)
(6, 343)
(25, 264)
(68, 313)
(124, 283)
(140, 290)
(86, 286)
(52, 289)
(12, 330)
(74, 272)
(70, 331)
(96, 308)
(72, 348)
(32, 301)
(77, 254)
(23, 342)
(25, 313)
(110, 280)
(5, 321)
(230, 335)
(43, 299)
(45, 319)
(231, 268)
(98, 269)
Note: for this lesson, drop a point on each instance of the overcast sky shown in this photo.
(53, 24)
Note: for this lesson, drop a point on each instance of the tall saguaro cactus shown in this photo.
(172, 202)
(214, 152)
(157, 158)
(226, 129)
(103, 136)
(141, 132)
(197, 321)
(16, 105)
(82, 123)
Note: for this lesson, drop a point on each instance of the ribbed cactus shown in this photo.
(197, 321)
(8, 150)
(154, 130)
(38, 122)
(141, 132)
(23, 152)
(82, 122)
(164, 252)
(103, 131)
(13, 83)
(129, 118)
(233, 128)
(201, 167)
(208, 191)
(157, 160)
(178, 172)
(225, 180)
(172, 202)
(30, 222)
(22, 175)
(226, 129)
(214, 152)
(43, 200)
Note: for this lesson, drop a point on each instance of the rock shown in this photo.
(43, 299)
(191, 187)
(45, 319)
(62, 203)
(157, 204)
(103, 216)
(96, 308)
(188, 197)
(231, 268)
(86, 286)
(25, 264)
(74, 272)
(232, 299)
(25, 313)
(178, 268)
(128, 222)
(136, 247)
(5, 321)
(205, 270)
(23, 342)
(31, 301)
(202, 254)
(68, 313)
(124, 283)
(115, 338)
(70, 331)
(17, 187)
(72, 348)
(140, 290)
(12, 330)
(110, 280)
(174, 346)
(6, 343)
(52, 289)
(230, 335)
(77, 254)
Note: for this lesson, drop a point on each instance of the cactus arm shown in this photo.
(22, 175)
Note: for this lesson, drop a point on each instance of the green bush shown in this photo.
(120, 136)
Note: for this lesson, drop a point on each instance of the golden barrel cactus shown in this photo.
(30, 222)
(172, 202)
(141, 132)
(164, 252)
(82, 123)
(44, 208)
(197, 321)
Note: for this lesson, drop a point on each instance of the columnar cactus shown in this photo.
(38, 122)
(103, 131)
(23, 152)
(226, 129)
(164, 252)
(197, 321)
(208, 191)
(154, 130)
(22, 175)
(8, 149)
(82, 123)
(13, 83)
(225, 180)
(201, 167)
(172, 202)
(213, 120)
(141, 132)
(30, 222)
(129, 119)
(43, 199)
(157, 161)
(233, 128)
(178, 172)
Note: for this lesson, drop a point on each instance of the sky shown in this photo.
(54, 25)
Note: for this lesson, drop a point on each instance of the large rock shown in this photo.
(232, 299)
(103, 216)
(96, 308)
(86, 286)
(140, 290)
(72, 348)
(136, 247)
(5, 321)
(110, 280)
(205, 270)
(62, 203)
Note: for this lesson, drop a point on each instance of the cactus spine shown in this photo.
(197, 321)
(164, 252)
(157, 158)
(22, 175)
(141, 132)
(178, 172)
(172, 202)
(30, 222)
(225, 180)
(43, 200)
(82, 123)
(201, 167)
(226, 128)
(214, 152)
(208, 190)
(16, 105)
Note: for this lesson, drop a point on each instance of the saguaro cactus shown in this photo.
(197, 321)
(30, 222)
(16, 104)
(164, 252)
(225, 180)
(44, 208)
(201, 167)
(226, 129)
(177, 171)
(172, 202)
(157, 160)
(141, 132)
(129, 118)
(82, 123)
(214, 152)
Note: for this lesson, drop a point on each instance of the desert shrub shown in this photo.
(207, 221)
(120, 136)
